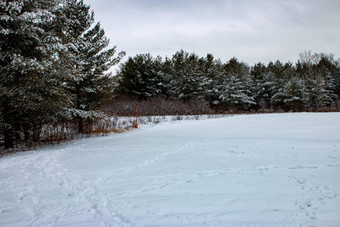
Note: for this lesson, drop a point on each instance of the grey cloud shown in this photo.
(252, 31)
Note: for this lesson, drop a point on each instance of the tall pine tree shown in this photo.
(88, 59)
(53, 66)
(30, 91)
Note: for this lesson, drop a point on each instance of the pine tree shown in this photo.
(141, 77)
(235, 86)
(31, 94)
(328, 69)
(212, 70)
(295, 95)
(53, 65)
(321, 74)
(187, 76)
(88, 61)
(264, 85)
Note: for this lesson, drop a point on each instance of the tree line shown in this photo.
(53, 64)
(311, 84)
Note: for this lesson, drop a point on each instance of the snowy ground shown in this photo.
(246, 170)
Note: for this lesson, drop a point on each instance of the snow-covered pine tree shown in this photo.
(30, 90)
(141, 77)
(295, 95)
(235, 93)
(322, 79)
(212, 70)
(264, 85)
(89, 60)
(187, 76)
(235, 86)
(319, 96)
(280, 75)
(329, 69)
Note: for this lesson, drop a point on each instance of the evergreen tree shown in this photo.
(186, 75)
(258, 71)
(266, 87)
(295, 96)
(88, 61)
(30, 90)
(140, 76)
(212, 71)
(235, 89)
(52, 66)
(321, 75)
(328, 69)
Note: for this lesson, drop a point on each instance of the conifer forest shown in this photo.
(56, 77)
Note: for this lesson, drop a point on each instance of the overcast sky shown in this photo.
(251, 30)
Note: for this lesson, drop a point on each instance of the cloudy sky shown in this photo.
(251, 30)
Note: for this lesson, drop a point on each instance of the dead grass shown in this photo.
(104, 131)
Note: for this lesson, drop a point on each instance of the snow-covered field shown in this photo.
(244, 170)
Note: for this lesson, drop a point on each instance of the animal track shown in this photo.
(315, 195)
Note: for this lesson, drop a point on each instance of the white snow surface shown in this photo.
(243, 170)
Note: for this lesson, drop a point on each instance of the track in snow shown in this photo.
(256, 170)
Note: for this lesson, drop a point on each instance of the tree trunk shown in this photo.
(36, 133)
(7, 130)
(80, 125)
(80, 119)
(8, 139)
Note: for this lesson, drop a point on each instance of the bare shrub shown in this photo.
(156, 106)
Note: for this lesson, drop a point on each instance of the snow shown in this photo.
(243, 170)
